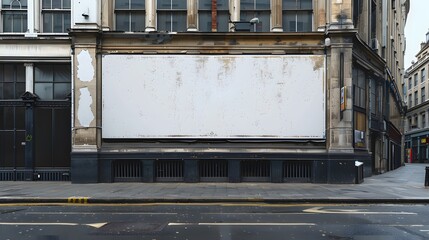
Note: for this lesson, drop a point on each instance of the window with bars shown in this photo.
(297, 15)
(260, 9)
(14, 16)
(56, 16)
(52, 81)
(130, 15)
(206, 14)
(171, 15)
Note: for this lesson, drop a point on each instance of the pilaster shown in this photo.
(192, 16)
(341, 14)
(276, 16)
(340, 117)
(150, 16)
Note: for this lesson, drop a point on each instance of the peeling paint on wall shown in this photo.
(84, 113)
(85, 70)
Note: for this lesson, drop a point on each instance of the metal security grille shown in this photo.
(36, 175)
(52, 175)
(255, 170)
(297, 171)
(169, 170)
(127, 171)
(213, 170)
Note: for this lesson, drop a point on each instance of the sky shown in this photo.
(416, 28)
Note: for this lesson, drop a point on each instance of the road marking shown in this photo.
(93, 213)
(94, 225)
(267, 213)
(242, 224)
(342, 211)
(38, 224)
(81, 200)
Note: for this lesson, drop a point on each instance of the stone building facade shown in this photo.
(204, 90)
(415, 86)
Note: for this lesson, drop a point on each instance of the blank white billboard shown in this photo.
(209, 96)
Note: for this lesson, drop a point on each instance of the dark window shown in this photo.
(56, 16)
(416, 98)
(52, 137)
(423, 94)
(130, 15)
(423, 75)
(205, 15)
(14, 15)
(260, 9)
(12, 81)
(12, 135)
(171, 15)
(52, 81)
(297, 15)
(416, 80)
(410, 83)
(359, 87)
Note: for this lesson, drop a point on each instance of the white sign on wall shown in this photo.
(213, 96)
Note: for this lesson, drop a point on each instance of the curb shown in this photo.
(88, 201)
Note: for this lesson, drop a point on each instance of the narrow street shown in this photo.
(214, 221)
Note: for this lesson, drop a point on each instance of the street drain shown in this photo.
(130, 228)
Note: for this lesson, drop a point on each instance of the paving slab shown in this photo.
(403, 185)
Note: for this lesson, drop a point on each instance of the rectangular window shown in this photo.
(423, 75)
(423, 116)
(56, 16)
(416, 98)
(410, 101)
(359, 88)
(360, 129)
(206, 14)
(52, 81)
(410, 123)
(171, 15)
(410, 83)
(14, 16)
(423, 95)
(12, 81)
(130, 15)
(297, 15)
(416, 80)
(260, 9)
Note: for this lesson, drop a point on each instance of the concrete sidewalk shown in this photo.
(404, 185)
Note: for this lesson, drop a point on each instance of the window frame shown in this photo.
(12, 11)
(63, 10)
(296, 11)
(207, 11)
(54, 83)
(423, 94)
(131, 12)
(257, 12)
(171, 13)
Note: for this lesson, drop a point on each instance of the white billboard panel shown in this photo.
(209, 96)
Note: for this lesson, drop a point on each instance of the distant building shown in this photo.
(415, 88)
(200, 90)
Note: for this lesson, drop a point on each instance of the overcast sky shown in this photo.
(416, 28)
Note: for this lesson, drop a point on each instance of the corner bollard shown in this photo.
(427, 177)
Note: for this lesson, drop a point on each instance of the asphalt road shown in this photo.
(214, 221)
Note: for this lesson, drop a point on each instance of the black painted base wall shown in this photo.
(325, 168)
